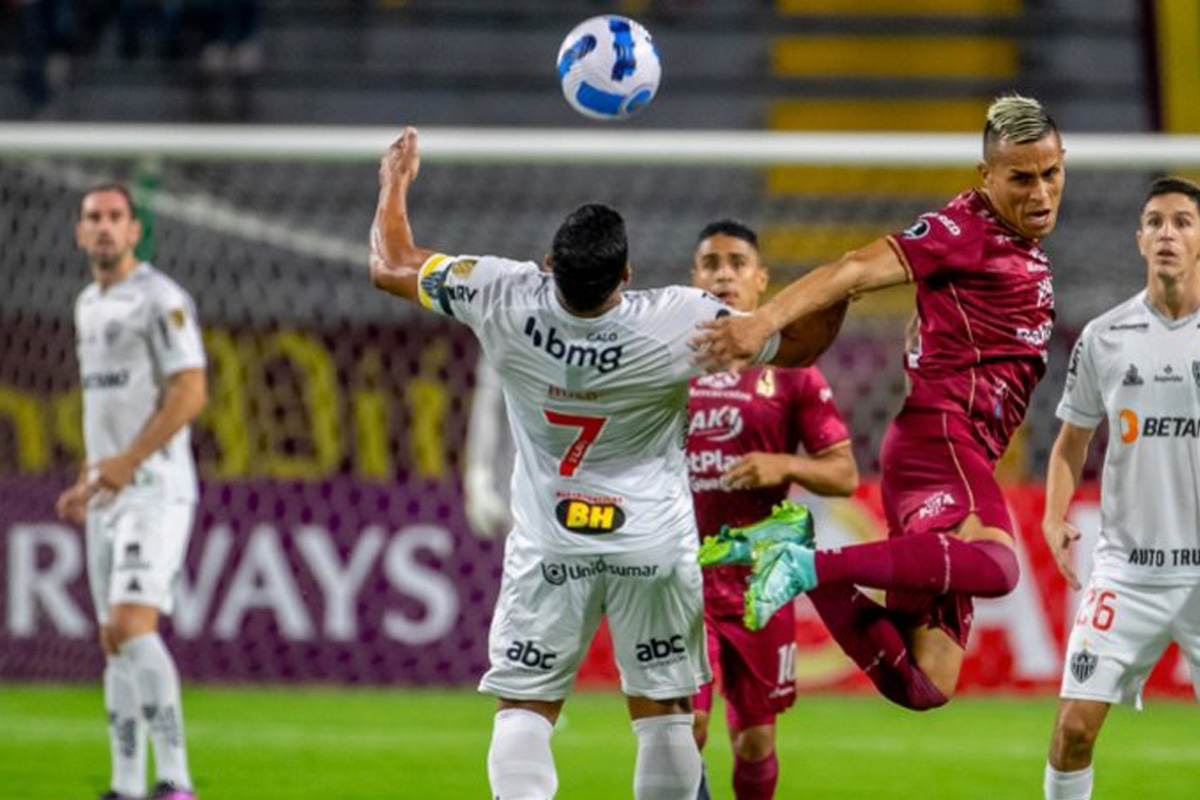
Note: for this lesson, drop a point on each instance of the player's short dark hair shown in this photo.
(119, 188)
(1016, 119)
(729, 227)
(1171, 184)
(589, 255)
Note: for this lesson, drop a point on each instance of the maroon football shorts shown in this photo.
(936, 473)
(756, 670)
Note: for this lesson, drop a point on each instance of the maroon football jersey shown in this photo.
(765, 409)
(985, 296)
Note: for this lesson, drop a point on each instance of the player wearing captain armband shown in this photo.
(745, 432)
(595, 382)
(1137, 367)
(985, 298)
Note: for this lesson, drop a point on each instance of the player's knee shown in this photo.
(1074, 739)
(129, 622)
(1007, 567)
(105, 637)
(754, 744)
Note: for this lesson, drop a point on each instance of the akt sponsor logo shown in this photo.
(661, 651)
(581, 516)
(528, 654)
(604, 359)
(719, 424)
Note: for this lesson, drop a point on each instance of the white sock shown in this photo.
(158, 693)
(1075, 785)
(668, 761)
(126, 731)
(520, 764)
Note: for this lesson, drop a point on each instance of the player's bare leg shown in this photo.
(520, 763)
(1069, 764)
(668, 761)
(755, 767)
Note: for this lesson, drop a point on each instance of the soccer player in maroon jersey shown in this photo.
(744, 435)
(986, 306)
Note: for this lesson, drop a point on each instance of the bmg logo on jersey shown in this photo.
(528, 654)
(604, 359)
(661, 651)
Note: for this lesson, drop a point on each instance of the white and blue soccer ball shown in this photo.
(609, 67)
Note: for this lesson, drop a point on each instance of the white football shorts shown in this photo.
(135, 551)
(1121, 631)
(550, 606)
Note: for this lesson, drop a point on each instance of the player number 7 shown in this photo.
(589, 429)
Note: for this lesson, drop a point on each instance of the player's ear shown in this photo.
(627, 273)
(984, 170)
(137, 231)
(548, 263)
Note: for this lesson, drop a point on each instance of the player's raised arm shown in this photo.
(395, 259)
(734, 341)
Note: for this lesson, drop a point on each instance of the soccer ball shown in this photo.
(608, 67)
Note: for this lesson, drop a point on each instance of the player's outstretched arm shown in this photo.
(395, 259)
(733, 342)
(1063, 473)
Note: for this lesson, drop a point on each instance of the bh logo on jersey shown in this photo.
(585, 516)
(661, 651)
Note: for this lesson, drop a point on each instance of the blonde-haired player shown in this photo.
(1138, 367)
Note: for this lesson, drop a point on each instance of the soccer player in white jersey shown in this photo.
(1138, 367)
(595, 382)
(142, 364)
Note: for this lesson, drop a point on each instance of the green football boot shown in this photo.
(788, 522)
(782, 570)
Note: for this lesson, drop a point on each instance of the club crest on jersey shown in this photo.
(766, 383)
(1083, 665)
(1132, 378)
(587, 517)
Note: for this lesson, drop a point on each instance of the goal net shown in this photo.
(331, 542)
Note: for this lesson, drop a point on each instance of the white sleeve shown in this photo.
(1082, 403)
(176, 341)
(704, 307)
(466, 288)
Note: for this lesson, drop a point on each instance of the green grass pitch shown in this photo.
(302, 743)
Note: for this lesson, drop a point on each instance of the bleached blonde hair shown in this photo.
(1017, 119)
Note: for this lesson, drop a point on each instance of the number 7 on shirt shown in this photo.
(589, 430)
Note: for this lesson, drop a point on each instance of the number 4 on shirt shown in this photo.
(589, 429)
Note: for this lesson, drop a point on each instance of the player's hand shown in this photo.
(1060, 535)
(401, 162)
(113, 474)
(730, 342)
(486, 510)
(72, 504)
(758, 470)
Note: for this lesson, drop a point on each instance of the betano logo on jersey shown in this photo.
(1133, 427)
(589, 515)
(604, 359)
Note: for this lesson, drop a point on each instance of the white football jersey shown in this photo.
(130, 339)
(1141, 372)
(597, 406)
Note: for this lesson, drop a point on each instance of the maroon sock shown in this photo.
(868, 634)
(755, 780)
(937, 563)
